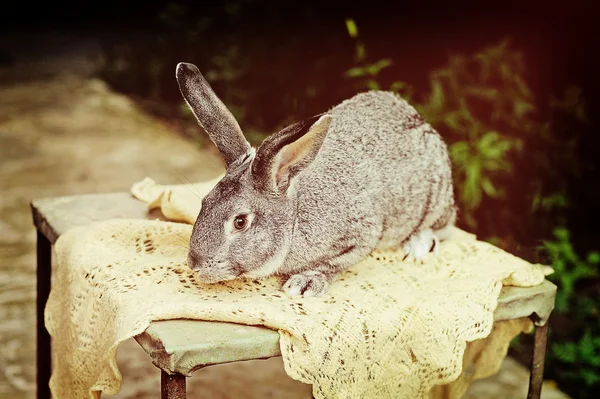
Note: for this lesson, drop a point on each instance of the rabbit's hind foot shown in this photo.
(420, 244)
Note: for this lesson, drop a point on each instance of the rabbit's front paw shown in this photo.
(307, 284)
(420, 244)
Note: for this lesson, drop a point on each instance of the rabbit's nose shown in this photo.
(194, 260)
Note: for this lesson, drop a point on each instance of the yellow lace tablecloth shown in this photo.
(387, 328)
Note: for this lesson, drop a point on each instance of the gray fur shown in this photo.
(379, 177)
(211, 113)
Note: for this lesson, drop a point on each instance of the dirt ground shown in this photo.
(64, 132)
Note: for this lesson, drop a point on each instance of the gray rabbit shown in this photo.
(318, 196)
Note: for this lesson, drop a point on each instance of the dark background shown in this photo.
(561, 39)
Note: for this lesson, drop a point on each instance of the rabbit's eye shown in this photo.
(240, 222)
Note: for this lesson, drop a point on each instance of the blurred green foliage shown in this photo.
(515, 156)
(577, 352)
(569, 268)
(365, 72)
(479, 142)
(584, 357)
(486, 112)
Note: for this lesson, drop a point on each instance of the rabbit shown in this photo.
(320, 195)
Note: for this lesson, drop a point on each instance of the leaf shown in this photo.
(375, 68)
(471, 188)
(583, 271)
(459, 152)
(496, 241)
(535, 202)
(495, 164)
(372, 84)
(452, 120)
(593, 258)
(469, 220)
(361, 52)
(561, 233)
(488, 187)
(398, 85)
(474, 131)
(522, 86)
(522, 107)
(356, 72)
(436, 100)
(561, 302)
(488, 139)
(352, 28)
(553, 201)
(493, 146)
(559, 265)
(565, 351)
(185, 109)
(586, 344)
(590, 376)
(487, 93)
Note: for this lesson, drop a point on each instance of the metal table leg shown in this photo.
(44, 273)
(537, 362)
(172, 386)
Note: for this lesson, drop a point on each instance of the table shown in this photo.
(180, 347)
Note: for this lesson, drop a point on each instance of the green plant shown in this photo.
(576, 354)
(366, 73)
(475, 162)
(551, 192)
(493, 125)
(583, 357)
(569, 268)
(479, 144)
(483, 107)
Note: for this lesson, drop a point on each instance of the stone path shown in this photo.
(63, 132)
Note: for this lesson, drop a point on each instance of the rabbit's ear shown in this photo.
(211, 113)
(283, 155)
